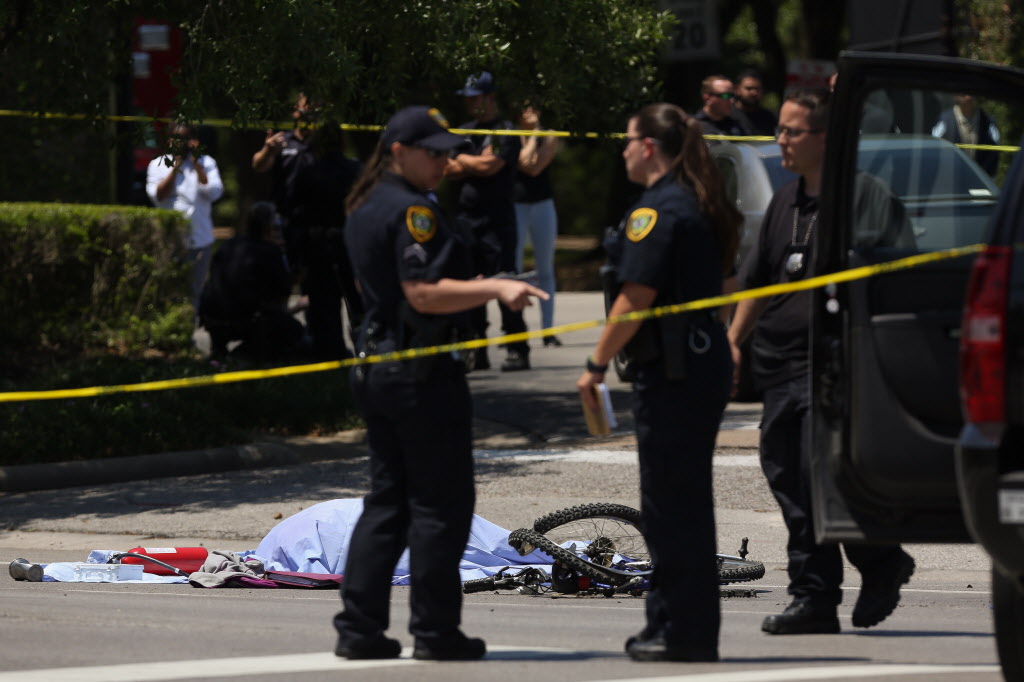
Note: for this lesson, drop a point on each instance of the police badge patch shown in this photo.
(640, 223)
(421, 222)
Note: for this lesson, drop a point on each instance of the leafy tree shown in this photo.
(587, 62)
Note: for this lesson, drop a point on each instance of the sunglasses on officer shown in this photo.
(724, 95)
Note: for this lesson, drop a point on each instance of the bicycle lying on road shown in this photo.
(597, 547)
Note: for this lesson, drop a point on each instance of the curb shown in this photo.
(52, 476)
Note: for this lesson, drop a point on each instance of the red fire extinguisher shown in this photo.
(185, 559)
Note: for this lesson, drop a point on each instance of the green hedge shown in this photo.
(83, 276)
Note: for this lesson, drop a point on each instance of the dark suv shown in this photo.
(990, 455)
(895, 456)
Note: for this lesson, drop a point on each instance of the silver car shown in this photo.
(947, 196)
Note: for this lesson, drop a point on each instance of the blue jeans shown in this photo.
(540, 222)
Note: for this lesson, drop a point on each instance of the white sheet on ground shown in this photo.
(316, 541)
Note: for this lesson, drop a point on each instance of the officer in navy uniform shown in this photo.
(674, 246)
(486, 211)
(412, 273)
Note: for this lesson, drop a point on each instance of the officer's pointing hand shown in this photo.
(516, 295)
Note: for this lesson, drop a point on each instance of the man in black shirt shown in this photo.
(716, 116)
(486, 214)
(748, 111)
(780, 367)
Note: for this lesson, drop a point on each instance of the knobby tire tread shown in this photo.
(621, 512)
(563, 556)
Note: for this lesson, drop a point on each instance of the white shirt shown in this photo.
(189, 197)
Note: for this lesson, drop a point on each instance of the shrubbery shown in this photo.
(79, 277)
(97, 295)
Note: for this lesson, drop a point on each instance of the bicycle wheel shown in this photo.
(733, 569)
(525, 541)
(607, 529)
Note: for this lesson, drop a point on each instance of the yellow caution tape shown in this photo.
(411, 353)
(360, 127)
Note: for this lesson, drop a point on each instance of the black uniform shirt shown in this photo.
(398, 235)
(668, 241)
(293, 157)
(780, 347)
(492, 194)
(727, 125)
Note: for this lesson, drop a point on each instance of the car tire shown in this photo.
(1008, 609)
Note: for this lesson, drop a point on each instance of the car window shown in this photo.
(929, 165)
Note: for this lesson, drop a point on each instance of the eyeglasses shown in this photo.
(433, 153)
(795, 132)
(724, 95)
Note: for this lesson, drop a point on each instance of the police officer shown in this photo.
(411, 271)
(676, 243)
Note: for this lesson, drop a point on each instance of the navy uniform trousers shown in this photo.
(421, 468)
(815, 571)
(676, 426)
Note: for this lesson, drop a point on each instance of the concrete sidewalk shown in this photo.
(534, 409)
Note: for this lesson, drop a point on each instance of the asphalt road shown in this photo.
(532, 458)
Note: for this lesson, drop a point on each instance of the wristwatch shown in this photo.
(594, 367)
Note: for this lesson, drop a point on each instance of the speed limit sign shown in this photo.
(696, 34)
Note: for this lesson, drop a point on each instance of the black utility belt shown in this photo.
(668, 340)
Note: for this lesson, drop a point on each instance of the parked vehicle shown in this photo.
(887, 419)
(957, 197)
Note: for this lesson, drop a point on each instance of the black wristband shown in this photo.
(594, 367)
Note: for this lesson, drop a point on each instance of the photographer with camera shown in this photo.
(188, 182)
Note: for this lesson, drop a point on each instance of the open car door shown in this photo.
(909, 168)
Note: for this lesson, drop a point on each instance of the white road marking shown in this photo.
(880, 671)
(317, 662)
(209, 668)
(601, 457)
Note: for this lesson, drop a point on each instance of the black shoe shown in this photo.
(480, 359)
(800, 618)
(880, 591)
(552, 341)
(656, 649)
(515, 362)
(381, 647)
(458, 648)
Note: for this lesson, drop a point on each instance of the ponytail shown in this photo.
(681, 139)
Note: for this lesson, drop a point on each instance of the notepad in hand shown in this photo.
(601, 421)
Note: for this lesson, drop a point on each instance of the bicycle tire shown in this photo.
(616, 524)
(525, 540)
(733, 569)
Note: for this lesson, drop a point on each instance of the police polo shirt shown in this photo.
(397, 235)
(779, 350)
(727, 125)
(491, 194)
(669, 244)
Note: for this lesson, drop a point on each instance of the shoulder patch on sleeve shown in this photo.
(640, 223)
(422, 223)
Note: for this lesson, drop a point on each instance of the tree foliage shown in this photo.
(586, 61)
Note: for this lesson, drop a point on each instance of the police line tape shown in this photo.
(413, 353)
(360, 127)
